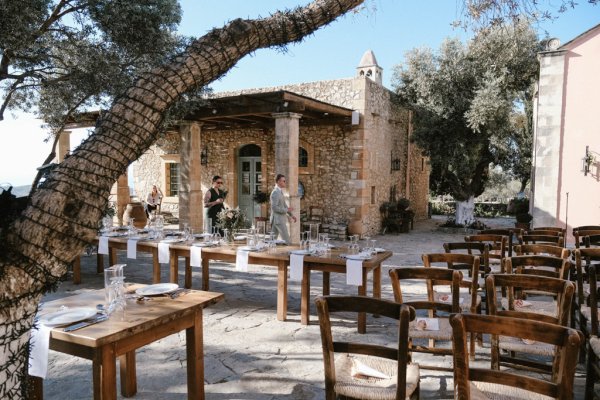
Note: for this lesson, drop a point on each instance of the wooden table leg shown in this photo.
(128, 374)
(362, 291)
(377, 282)
(188, 274)
(100, 263)
(35, 388)
(155, 266)
(97, 377)
(205, 281)
(305, 296)
(326, 283)
(109, 372)
(174, 267)
(77, 270)
(195, 358)
(282, 290)
(112, 257)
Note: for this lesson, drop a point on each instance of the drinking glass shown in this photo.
(131, 230)
(208, 225)
(373, 248)
(113, 283)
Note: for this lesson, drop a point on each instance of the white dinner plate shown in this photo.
(171, 240)
(157, 289)
(204, 244)
(67, 316)
(240, 237)
(248, 248)
(380, 250)
(301, 252)
(201, 235)
(357, 257)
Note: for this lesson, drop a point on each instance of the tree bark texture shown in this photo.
(62, 215)
(465, 211)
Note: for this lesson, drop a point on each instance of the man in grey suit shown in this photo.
(280, 212)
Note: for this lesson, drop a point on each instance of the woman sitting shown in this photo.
(153, 200)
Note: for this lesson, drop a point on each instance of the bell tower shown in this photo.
(369, 68)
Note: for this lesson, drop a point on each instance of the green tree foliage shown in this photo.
(465, 98)
(60, 56)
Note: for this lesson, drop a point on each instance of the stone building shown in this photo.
(566, 146)
(343, 145)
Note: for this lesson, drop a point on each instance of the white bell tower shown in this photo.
(369, 68)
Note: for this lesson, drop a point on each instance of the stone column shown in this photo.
(64, 145)
(190, 190)
(122, 196)
(287, 131)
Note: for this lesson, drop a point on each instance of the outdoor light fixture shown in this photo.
(204, 156)
(588, 160)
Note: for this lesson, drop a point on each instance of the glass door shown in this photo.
(249, 181)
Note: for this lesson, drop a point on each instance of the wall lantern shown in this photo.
(204, 156)
(588, 160)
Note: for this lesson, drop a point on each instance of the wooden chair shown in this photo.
(591, 241)
(472, 248)
(542, 250)
(513, 235)
(544, 239)
(592, 340)
(345, 360)
(437, 310)
(583, 308)
(474, 381)
(543, 265)
(561, 289)
(470, 292)
(498, 248)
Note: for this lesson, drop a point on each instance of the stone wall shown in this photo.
(351, 173)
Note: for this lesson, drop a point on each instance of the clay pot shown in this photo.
(135, 210)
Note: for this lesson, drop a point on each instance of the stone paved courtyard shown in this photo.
(248, 353)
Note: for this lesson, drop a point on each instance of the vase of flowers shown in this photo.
(231, 220)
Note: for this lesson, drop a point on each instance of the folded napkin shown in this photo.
(361, 370)
(132, 248)
(354, 272)
(195, 256)
(103, 245)
(241, 260)
(296, 266)
(163, 253)
(38, 357)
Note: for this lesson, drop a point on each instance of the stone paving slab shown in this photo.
(248, 353)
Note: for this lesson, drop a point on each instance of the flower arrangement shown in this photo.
(232, 219)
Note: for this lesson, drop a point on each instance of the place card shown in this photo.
(195, 256)
(296, 266)
(163, 253)
(354, 271)
(103, 245)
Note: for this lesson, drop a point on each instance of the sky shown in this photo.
(387, 27)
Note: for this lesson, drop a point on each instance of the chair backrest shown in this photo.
(550, 266)
(591, 241)
(585, 228)
(467, 264)
(432, 277)
(498, 244)
(581, 234)
(562, 289)
(542, 249)
(566, 339)
(551, 228)
(471, 248)
(400, 312)
(543, 239)
(514, 236)
(544, 232)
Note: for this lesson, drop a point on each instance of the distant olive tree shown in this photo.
(465, 97)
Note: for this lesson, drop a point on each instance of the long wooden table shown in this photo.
(280, 259)
(144, 323)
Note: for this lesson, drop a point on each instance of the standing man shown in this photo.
(280, 212)
(214, 199)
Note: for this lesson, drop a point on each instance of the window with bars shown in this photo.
(302, 157)
(172, 178)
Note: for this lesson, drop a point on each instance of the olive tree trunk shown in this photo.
(62, 215)
(465, 211)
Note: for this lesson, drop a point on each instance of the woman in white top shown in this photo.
(153, 200)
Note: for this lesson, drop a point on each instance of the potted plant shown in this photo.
(260, 198)
(521, 210)
(523, 220)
